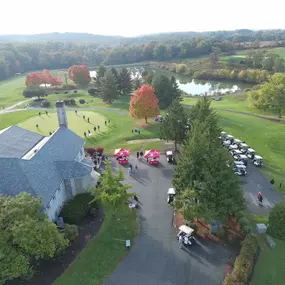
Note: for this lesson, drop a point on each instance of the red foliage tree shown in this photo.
(44, 77)
(144, 103)
(79, 74)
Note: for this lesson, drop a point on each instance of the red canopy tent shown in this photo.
(152, 155)
(122, 155)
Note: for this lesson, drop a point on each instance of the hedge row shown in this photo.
(244, 263)
(69, 102)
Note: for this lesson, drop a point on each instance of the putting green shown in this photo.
(49, 123)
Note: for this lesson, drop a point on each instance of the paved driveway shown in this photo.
(255, 182)
(155, 258)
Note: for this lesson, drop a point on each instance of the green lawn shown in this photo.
(6, 120)
(269, 269)
(238, 102)
(266, 137)
(104, 253)
(11, 91)
(76, 123)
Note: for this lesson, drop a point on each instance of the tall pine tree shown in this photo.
(175, 89)
(108, 87)
(174, 124)
(125, 81)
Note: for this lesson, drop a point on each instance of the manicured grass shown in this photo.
(6, 120)
(237, 102)
(11, 91)
(76, 123)
(269, 269)
(103, 254)
(266, 137)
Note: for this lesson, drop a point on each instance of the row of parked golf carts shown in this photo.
(241, 153)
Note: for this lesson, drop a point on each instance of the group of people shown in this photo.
(132, 170)
(137, 130)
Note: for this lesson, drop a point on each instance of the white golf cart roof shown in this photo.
(258, 157)
(230, 137)
(223, 133)
(251, 150)
(171, 191)
(241, 166)
(227, 142)
(185, 229)
(237, 151)
(237, 140)
(169, 152)
(242, 156)
(233, 146)
(238, 163)
(243, 145)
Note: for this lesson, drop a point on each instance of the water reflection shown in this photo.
(192, 86)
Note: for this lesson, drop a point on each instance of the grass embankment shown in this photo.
(266, 137)
(103, 254)
(269, 269)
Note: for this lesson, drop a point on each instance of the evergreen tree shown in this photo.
(175, 88)
(101, 71)
(137, 82)
(147, 77)
(116, 77)
(125, 80)
(174, 125)
(206, 187)
(108, 88)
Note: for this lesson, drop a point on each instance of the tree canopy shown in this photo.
(144, 103)
(26, 234)
(108, 88)
(206, 187)
(79, 74)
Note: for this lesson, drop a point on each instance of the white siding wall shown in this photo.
(56, 203)
(80, 156)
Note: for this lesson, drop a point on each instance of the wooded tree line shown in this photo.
(30, 56)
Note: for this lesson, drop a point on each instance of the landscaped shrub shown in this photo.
(69, 86)
(45, 104)
(244, 263)
(69, 102)
(81, 101)
(74, 91)
(277, 221)
(70, 232)
(36, 92)
(65, 92)
(244, 225)
(92, 91)
(76, 209)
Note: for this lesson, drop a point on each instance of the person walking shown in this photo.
(75, 112)
(138, 154)
(46, 112)
(88, 120)
(84, 134)
(105, 123)
(272, 181)
(180, 241)
(98, 127)
(94, 129)
(281, 183)
(130, 170)
(109, 121)
(83, 117)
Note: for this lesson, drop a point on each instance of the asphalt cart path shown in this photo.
(256, 182)
(155, 258)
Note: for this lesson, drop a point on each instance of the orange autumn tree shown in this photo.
(144, 103)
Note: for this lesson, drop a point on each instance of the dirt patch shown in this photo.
(47, 271)
(143, 124)
(143, 141)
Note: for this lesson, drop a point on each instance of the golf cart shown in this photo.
(242, 158)
(238, 142)
(243, 147)
(235, 152)
(250, 153)
(222, 135)
(230, 138)
(226, 143)
(186, 233)
(238, 163)
(132, 203)
(240, 170)
(233, 147)
(258, 160)
(159, 119)
(169, 156)
(170, 195)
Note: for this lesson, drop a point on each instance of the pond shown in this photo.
(196, 87)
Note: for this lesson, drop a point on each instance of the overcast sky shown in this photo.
(131, 17)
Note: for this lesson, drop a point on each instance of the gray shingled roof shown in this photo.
(39, 178)
(16, 142)
(64, 145)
